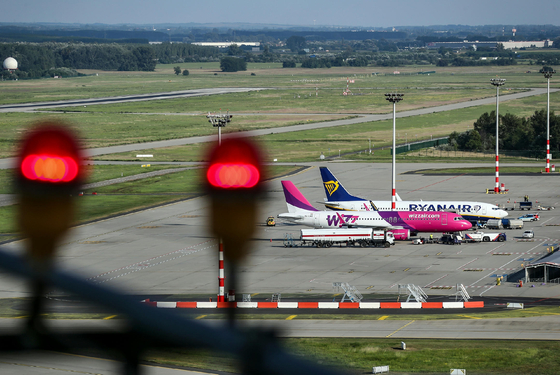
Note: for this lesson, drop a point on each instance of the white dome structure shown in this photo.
(10, 64)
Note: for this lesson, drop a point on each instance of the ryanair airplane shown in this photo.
(340, 200)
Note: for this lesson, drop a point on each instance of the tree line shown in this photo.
(525, 135)
(49, 59)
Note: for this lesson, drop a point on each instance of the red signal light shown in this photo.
(234, 165)
(49, 168)
(233, 175)
(50, 156)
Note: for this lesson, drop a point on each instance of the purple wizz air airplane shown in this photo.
(300, 211)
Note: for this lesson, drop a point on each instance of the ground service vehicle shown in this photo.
(494, 224)
(525, 205)
(270, 221)
(512, 223)
(484, 237)
(451, 239)
(528, 234)
(349, 236)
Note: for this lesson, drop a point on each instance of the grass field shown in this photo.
(358, 356)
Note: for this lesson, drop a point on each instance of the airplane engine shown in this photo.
(401, 234)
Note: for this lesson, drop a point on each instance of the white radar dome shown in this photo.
(10, 63)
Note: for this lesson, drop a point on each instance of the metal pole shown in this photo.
(393, 187)
(497, 82)
(394, 98)
(547, 126)
(548, 72)
(497, 186)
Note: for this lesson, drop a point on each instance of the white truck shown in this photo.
(484, 237)
(349, 236)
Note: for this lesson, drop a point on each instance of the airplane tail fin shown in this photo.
(334, 189)
(294, 198)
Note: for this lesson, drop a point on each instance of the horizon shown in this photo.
(311, 13)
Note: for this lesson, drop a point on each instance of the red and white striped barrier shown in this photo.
(316, 305)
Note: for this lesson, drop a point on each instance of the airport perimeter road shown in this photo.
(25, 107)
(168, 250)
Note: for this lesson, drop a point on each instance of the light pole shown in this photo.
(547, 74)
(220, 121)
(497, 82)
(394, 98)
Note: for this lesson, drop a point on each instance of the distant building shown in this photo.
(535, 44)
(476, 44)
(226, 44)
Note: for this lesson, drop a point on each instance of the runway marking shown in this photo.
(406, 325)
(383, 317)
(142, 265)
(463, 265)
(427, 285)
(110, 317)
(470, 317)
(291, 317)
(201, 316)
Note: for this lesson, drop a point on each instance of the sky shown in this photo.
(363, 13)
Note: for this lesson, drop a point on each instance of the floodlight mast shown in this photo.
(394, 98)
(547, 74)
(497, 82)
(220, 121)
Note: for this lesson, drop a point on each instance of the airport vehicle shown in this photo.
(528, 234)
(422, 241)
(270, 221)
(484, 237)
(529, 217)
(525, 205)
(339, 199)
(350, 236)
(512, 223)
(451, 239)
(494, 224)
(300, 211)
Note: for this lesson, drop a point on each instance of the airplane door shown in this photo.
(316, 220)
(483, 210)
(444, 218)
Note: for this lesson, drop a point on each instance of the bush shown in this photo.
(289, 64)
(232, 64)
(185, 72)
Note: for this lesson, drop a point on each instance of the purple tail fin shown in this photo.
(295, 198)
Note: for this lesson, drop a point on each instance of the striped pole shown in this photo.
(394, 98)
(548, 72)
(497, 82)
(221, 278)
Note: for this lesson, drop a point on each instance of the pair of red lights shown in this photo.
(49, 168)
(235, 164)
(233, 175)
